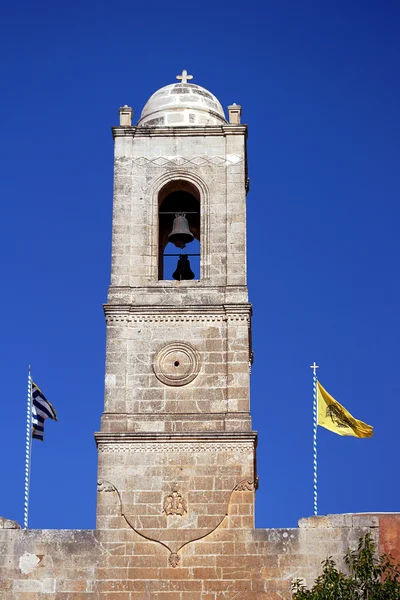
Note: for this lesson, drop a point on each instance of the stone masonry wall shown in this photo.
(178, 353)
(213, 160)
(135, 382)
(138, 477)
(234, 562)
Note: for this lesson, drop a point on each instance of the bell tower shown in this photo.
(176, 446)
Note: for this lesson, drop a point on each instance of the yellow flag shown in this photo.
(336, 418)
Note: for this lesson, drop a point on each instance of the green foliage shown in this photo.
(369, 577)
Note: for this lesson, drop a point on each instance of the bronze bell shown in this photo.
(180, 234)
(183, 271)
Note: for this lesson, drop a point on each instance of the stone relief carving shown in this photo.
(175, 504)
(245, 486)
(174, 557)
(135, 318)
(196, 161)
(105, 486)
(176, 363)
(241, 448)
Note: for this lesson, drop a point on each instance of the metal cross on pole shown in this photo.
(184, 77)
(314, 367)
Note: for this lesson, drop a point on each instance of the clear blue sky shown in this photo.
(319, 86)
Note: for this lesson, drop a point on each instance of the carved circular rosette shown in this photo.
(176, 364)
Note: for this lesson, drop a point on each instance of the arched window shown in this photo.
(179, 231)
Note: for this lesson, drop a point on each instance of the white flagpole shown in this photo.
(314, 367)
(28, 447)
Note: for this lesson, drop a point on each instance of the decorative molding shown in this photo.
(181, 161)
(200, 437)
(135, 318)
(189, 286)
(243, 308)
(188, 131)
(126, 313)
(132, 318)
(166, 447)
(176, 364)
(183, 416)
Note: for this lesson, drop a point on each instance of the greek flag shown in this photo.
(41, 410)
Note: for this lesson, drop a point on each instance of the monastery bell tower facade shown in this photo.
(176, 468)
(176, 446)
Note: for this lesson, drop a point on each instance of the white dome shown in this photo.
(182, 104)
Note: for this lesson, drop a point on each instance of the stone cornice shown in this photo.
(168, 416)
(215, 130)
(135, 313)
(196, 309)
(181, 286)
(223, 437)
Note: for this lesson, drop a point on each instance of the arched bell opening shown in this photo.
(179, 232)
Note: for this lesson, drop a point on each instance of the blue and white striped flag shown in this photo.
(41, 410)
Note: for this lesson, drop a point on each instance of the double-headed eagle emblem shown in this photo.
(174, 504)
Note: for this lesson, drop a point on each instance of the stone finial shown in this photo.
(125, 116)
(8, 524)
(234, 111)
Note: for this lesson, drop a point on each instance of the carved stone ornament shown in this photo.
(174, 559)
(245, 486)
(195, 161)
(105, 486)
(174, 504)
(176, 364)
(8, 524)
(160, 447)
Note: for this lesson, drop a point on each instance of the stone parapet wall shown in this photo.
(234, 562)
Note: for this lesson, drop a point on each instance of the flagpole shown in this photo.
(314, 367)
(28, 447)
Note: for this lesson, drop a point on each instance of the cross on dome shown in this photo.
(182, 104)
(184, 77)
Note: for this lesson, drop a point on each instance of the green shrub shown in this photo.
(369, 577)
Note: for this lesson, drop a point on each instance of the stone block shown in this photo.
(314, 522)
(365, 521)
